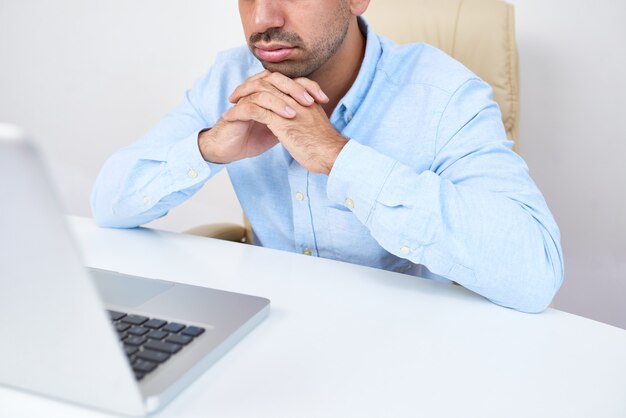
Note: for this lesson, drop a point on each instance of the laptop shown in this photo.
(111, 341)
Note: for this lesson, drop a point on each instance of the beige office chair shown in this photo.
(478, 33)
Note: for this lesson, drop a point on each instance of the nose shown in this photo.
(267, 14)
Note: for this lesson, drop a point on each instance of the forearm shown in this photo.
(486, 242)
(502, 244)
(143, 181)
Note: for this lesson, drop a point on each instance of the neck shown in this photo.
(338, 74)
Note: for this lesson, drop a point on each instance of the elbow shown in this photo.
(100, 210)
(535, 296)
(105, 214)
(537, 301)
(108, 219)
(110, 213)
(536, 288)
(547, 292)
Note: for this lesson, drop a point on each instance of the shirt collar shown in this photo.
(350, 103)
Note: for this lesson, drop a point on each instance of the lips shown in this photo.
(273, 53)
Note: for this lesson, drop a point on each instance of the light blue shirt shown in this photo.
(428, 178)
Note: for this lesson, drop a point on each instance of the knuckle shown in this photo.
(274, 91)
(279, 93)
(265, 114)
(265, 82)
(306, 82)
(299, 89)
(266, 97)
(247, 108)
(281, 81)
(257, 112)
(302, 80)
(258, 84)
(256, 96)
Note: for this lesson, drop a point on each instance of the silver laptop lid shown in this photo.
(57, 339)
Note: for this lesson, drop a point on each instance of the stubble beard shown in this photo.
(316, 55)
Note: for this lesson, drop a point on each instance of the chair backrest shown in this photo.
(478, 33)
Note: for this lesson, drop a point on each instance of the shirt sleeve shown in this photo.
(475, 216)
(162, 169)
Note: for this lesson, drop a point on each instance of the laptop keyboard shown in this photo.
(150, 342)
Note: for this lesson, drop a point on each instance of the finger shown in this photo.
(235, 96)
(249, 111)
(250, 87)
(262, 74)
(276, 83)
(272, 102)
(313, 88)
(299, 91)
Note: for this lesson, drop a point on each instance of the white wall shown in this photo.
(86, 77)
(573, 66)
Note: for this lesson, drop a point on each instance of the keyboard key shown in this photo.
(135, 319)
(161, 346)
(122, 335)
(144, 366)
(138, 331)
(139, 375)
(134, 340)
(116, 316)
(157, 335)
(193, 331)
(154, 356)
(130, 350)
(178, 339)
(173, 327)
(155, 323)
(121, 327)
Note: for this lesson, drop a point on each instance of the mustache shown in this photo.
(276, 35)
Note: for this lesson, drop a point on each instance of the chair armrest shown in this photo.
(228, 232)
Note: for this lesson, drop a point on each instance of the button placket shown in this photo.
(304, 238)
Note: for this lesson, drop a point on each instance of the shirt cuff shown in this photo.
(357, 177)
(182, 169)
(186, 165)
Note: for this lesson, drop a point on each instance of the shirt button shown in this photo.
(146, 200)
(299, 197)
(405, 250)
(350, 203)
(307, 251)
(192, 173)
(349, 117)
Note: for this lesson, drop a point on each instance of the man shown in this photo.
(341, 144)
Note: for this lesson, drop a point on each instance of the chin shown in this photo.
(288, 69)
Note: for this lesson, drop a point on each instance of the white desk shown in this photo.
(349, 341)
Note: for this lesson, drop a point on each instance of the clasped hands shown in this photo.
(272, 108)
